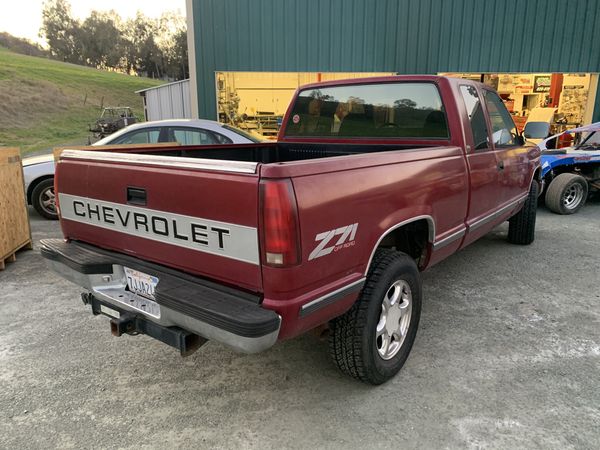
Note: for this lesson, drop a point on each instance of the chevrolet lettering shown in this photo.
(194, 233)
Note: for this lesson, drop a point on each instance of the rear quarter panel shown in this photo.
(425, 182)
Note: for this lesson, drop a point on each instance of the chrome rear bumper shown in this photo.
(220, 315)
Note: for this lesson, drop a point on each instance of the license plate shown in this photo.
(141, 283)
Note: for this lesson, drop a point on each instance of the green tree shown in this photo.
(142, 53)
(101, 40)
(153, 47)
(61, 31)
(172, 41)
(180, 55)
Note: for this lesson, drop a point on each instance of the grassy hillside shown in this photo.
(45, 103)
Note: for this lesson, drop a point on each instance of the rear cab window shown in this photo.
(386, 110)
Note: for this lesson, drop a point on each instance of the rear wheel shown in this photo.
(567, 193)
(521, 226)
(43, 199)
(372, 341)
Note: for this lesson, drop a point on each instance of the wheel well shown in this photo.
(411, 239)
(578, 169)
(34, 183)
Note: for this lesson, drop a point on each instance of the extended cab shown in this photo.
(370, 182)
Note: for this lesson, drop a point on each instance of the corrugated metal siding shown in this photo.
(171, 101)
(406, 36)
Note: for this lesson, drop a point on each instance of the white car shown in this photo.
(39, 170)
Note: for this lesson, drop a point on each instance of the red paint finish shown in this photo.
(180, 191)
(354, 199)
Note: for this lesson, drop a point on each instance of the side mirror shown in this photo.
(536, 130)
(521, 139)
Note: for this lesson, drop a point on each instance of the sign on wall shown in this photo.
(541, 83)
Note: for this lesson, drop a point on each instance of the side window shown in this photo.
(222, 139)
(138, 137)
(476, 116)
(190, 136)
(504, 132)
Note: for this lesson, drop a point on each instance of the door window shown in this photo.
(191, 136)
(504, 132)
(147, 136)
(476, 116)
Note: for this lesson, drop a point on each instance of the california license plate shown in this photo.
(141, 283)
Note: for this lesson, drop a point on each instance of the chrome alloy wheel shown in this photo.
(48, 200)
(396, 309)
(573, 196)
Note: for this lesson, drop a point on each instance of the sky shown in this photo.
(23, 18)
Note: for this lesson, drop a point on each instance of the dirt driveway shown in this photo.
(507, 356)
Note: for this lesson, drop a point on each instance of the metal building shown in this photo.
(167, 101)
(399, 36)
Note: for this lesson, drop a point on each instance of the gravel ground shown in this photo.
(507, 356)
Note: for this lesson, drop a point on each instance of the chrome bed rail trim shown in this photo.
(163, 161)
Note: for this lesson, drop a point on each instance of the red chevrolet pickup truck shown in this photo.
(371, 182)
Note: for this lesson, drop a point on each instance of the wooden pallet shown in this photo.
(12, 257)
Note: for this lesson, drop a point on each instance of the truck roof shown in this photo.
(387, 79)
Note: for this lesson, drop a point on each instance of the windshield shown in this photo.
(590, 142)
(241, 133)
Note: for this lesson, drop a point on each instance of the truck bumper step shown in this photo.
(201, 307)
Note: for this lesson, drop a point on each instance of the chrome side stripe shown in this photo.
(479, 223)
(163, 161)
(449, 239)
(332, 297)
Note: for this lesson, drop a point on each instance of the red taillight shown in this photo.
(280, 233)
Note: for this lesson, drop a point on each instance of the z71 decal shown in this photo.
(328, 244)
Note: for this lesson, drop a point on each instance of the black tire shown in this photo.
(521, 226)
(353, 344)
(567, 193)
(41, 193)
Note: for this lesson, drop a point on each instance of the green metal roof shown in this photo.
(418, 36)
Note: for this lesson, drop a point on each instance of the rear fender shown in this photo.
(399, 220)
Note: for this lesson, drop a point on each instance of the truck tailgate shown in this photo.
(198, 216)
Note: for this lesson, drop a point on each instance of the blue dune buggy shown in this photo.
(571, 174)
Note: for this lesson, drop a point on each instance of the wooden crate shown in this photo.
(15, 232)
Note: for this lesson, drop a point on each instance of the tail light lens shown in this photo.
(280, 231)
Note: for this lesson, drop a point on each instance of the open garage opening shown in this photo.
(256, 101)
